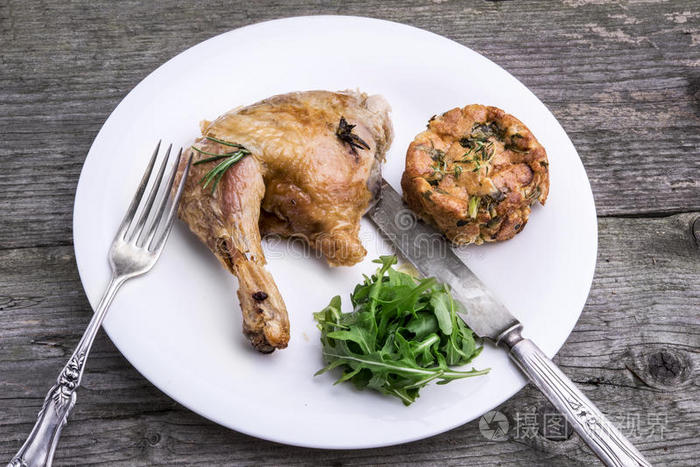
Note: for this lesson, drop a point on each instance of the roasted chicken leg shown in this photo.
(313, 166)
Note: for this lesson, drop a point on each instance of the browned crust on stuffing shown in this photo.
(474, 173)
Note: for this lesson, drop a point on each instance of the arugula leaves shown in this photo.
(402, 334)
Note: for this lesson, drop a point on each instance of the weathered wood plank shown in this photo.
(634, 352)
(621, 76)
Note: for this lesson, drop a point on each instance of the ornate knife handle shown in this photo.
(591, 425)
(40, 446)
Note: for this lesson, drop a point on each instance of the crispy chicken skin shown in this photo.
(300, 179)
(474, 173)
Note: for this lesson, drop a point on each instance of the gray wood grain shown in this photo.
(622, 77)
(643, 305)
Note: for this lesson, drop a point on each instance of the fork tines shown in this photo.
(144, 219)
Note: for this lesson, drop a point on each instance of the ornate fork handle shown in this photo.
(135, 249)
(39, 448)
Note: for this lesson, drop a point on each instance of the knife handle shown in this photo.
(592, 426)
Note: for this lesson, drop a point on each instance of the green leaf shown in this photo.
(442, 305)
(401, 335)
(422, 324)
(360, 335)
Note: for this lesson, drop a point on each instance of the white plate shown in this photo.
(180, 324)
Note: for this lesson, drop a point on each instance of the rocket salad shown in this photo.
(402, 334)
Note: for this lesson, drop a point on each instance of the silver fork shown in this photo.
(134, 251)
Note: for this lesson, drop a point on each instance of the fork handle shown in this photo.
(39, 448)
(592, 426)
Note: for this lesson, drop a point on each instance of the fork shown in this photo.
(134, 251)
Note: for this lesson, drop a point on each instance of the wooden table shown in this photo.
(622, 77)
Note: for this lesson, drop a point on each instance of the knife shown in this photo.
(491, 320)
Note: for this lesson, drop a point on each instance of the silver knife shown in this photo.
(491, 320)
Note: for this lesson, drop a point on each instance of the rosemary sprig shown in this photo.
(231, 158)
(225, 143)
(345, 134)
(440, 166)
(479, 148)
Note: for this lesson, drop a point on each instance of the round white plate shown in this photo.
(180, 325)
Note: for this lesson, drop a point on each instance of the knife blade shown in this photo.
(431, 254)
